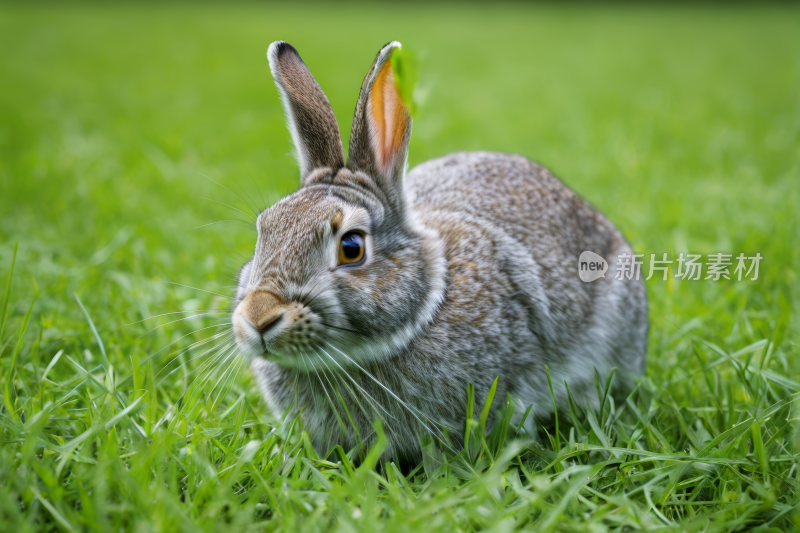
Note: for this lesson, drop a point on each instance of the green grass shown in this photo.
(681, 124)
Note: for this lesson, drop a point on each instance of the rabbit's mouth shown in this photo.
(267, 326)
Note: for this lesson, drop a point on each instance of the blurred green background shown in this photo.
(681, 124)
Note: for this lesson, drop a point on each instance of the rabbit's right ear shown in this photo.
(309, 115)
(381, 127)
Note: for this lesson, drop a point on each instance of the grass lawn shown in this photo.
(681, 124)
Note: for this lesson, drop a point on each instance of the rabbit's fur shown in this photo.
(470, 273)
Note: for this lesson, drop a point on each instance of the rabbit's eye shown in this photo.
(351, 249)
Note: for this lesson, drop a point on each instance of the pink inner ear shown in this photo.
(388, 115)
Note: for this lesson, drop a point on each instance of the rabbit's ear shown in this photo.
(309, 115)
(382, 124)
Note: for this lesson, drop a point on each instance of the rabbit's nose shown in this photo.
(267, 323)
(263, 311)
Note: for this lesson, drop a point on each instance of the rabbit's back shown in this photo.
(519, 196)
(529, 230)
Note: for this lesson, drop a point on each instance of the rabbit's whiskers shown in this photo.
(305, 299)
(201, 290)
(228, 206)
(355, 397)
(223, 360)
(236, 363)
(313, 390)
(227, 335)
(183, 337)
(177, 313)
(233, 193)
(340, 329)
(416, 413)
(201, 369)
(173, 322)
(359, 387)
(367, 415)
(251, 226)
(263, 201)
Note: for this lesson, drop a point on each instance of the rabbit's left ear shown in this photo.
(382, 124)
(310, 117)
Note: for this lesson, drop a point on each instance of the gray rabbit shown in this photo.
(379, 294)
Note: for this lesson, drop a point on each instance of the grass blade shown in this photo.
(555, 409)
(7, 293)
(94, 331)
(22, 331)
(469, 419)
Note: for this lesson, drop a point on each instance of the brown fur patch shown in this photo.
(336, 221)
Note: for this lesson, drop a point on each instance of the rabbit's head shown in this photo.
(341, 273)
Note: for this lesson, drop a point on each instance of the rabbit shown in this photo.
(380, 294)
